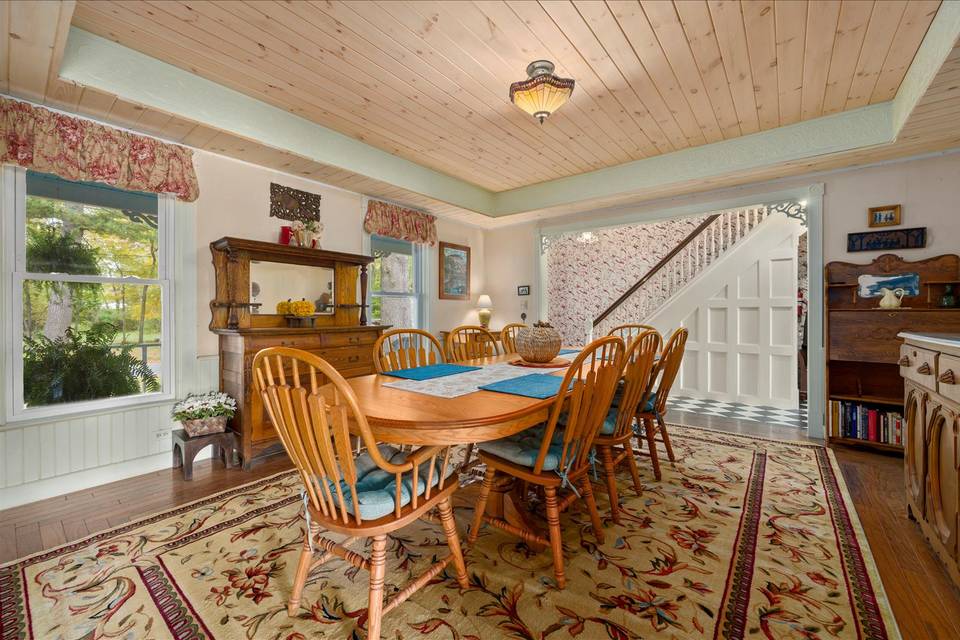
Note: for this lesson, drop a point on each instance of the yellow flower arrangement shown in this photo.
(283, 307)
(302, 308)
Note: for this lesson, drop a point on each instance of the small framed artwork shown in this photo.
(887, 240)
(888, 216)
(523, 290)
(454, 271)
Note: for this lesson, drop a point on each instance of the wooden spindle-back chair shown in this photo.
(627, 332)
(406, 349)
(508, 336)
(613, 444)
(651, 415)
(468, 341)
(557, 456)
(347, 493)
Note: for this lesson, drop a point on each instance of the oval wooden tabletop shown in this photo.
(406, 417)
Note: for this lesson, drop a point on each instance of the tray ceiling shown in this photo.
(427, 81)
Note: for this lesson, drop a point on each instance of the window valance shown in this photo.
(394, 221)
(78, 149)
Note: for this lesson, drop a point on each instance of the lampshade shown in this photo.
(542, 93)
(484, 301)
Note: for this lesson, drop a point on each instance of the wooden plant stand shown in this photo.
(185, 449)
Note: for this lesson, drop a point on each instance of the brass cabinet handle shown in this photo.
(948, 377)
(904, 361)
(353, 359)
(924, 369)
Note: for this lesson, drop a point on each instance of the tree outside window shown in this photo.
(396, 287)
(91, 292)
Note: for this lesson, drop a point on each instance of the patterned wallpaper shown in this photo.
(589, 270)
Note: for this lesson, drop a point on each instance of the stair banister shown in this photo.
(656, 268)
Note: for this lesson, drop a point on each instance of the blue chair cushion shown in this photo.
(610, 422)
(618, 396)
(376, 488)
(524, 447)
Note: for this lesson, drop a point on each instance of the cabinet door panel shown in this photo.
(915, 458)
(942, 478)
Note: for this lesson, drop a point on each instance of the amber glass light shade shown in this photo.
(542, 93)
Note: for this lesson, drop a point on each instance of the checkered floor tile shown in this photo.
(796, 418)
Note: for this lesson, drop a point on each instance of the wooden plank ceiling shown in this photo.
(428, 81)
(33, 35)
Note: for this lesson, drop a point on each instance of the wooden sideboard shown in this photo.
(930, 366)
(340, 336)
(349, 349)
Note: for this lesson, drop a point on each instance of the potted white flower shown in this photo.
(204, 413)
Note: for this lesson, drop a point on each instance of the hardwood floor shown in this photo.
(926, 604)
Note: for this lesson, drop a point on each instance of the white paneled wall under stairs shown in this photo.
(741, 315)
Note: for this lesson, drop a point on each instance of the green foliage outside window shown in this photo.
(85, 341)
(81, 365)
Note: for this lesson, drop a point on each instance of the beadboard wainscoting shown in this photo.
(44, 459)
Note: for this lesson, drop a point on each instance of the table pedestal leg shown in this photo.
(507, 503)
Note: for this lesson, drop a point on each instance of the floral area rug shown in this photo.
(743, 538)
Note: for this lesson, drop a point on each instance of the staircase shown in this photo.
(692, 256)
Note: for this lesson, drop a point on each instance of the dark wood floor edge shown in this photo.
(142, 520)
(809, 442)
(870, 562)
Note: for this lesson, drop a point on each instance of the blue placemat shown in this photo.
(532, 385)
(430, 371)
(564, 352)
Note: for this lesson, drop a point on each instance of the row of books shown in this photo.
(855, 420)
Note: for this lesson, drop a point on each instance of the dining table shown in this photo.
(404, 417)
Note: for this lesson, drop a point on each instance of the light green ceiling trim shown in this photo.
(94, 61)
(937, 44)
(864, 127)
(97, 62)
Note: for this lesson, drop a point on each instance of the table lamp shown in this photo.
(483, 306)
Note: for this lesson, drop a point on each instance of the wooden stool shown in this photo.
(185, 449)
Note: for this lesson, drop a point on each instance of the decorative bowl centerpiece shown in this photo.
(539, 343)
(204, 413)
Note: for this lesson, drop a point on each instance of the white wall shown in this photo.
(928, 189)
(235, 201)
(447, 314)
(512, 256)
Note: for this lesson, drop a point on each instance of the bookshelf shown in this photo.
(863, 351)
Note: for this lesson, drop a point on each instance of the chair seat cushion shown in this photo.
(618, 396)
(376, 488)
(610, 422)
(524, 447)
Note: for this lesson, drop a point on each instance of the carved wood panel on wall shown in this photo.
(292, 204)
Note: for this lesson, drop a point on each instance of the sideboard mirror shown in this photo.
(273, 282)
(253, 276)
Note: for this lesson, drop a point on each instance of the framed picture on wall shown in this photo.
(523, 290)
(886, 216)
(454, 271)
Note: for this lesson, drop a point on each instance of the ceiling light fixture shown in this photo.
(541, 93)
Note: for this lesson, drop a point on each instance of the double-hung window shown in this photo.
(396, 283)
(87, 271)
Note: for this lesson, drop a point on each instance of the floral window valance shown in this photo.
(78, 149)
(394, 221)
